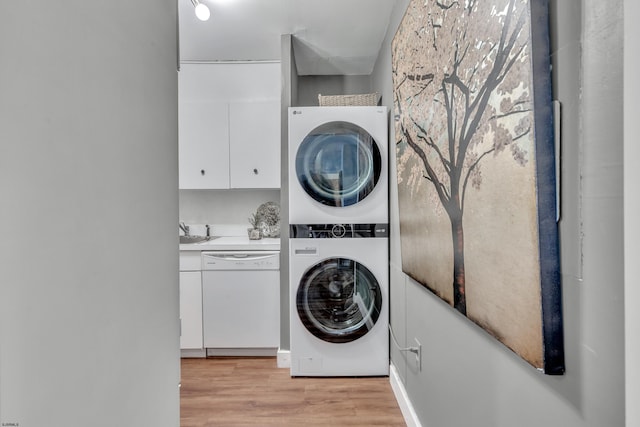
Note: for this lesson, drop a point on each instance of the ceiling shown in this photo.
(330, 36)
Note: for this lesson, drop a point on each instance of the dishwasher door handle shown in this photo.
(257, 255)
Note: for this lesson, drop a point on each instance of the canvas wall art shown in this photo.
(476, 167)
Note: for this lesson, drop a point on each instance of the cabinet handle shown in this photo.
(255, 171)
(202, 172)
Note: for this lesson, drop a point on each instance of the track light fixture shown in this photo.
(202, 11)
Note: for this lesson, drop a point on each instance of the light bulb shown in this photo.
(202, 12)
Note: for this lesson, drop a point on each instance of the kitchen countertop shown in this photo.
(233, 243)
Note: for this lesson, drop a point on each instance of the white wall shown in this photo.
(89, 332)
(309, 87)
(288, 98)
(223, 206)
(467, 377)
(631, 209)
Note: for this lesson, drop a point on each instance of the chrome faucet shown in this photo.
(184, 228)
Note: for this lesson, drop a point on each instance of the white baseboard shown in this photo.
(284, 358)
(242, 352)
(193, 353)
(409, 414)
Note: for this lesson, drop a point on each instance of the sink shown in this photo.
(196, 239)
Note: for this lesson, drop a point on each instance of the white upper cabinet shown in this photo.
(203, 144)
(229, 125)
(255, 144)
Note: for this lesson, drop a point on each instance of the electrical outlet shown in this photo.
(418, 354)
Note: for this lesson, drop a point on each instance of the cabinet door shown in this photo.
(191, 310)
(203, 144)
(254, 132)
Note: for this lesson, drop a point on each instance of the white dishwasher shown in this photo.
(241, 302)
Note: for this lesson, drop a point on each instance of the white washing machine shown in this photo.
(338, 165)
(339, 300)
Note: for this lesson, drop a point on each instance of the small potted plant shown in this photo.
(254, 231)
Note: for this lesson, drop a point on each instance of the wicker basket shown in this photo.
(349, 100)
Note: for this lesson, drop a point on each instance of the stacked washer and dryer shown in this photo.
(338, 215)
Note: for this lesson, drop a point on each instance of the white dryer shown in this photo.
(339, 300)
(338, 165)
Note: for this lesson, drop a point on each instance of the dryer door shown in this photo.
(338, 300)
(338, 164)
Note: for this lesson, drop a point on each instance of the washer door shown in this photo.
(338, 164)
(338, 300)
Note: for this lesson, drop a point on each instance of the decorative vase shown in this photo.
(254, 234)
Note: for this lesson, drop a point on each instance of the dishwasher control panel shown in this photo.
(241, 260)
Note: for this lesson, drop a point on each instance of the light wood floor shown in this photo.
(254, 392)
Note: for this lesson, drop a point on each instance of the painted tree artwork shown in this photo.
(476, 167)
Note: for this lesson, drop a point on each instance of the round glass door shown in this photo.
(338, 300)
(338, 164)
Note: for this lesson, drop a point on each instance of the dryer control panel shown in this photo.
(337, 231)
